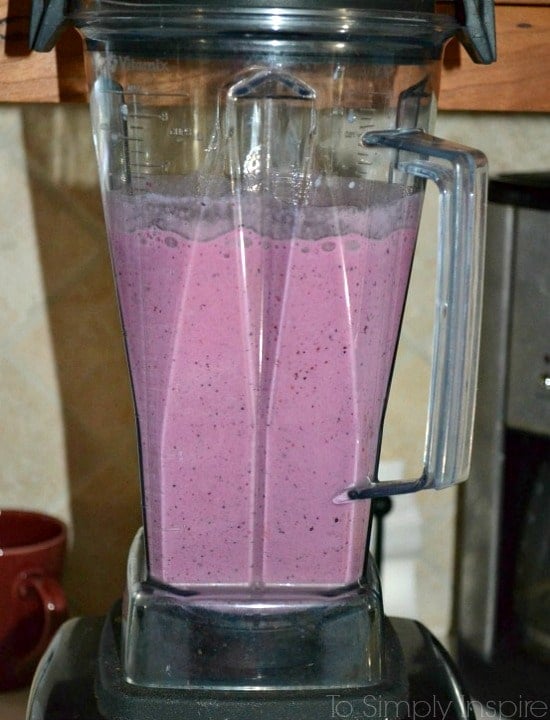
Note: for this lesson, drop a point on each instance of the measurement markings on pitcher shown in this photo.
(140, 163)
(366, 122)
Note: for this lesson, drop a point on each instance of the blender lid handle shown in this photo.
(477, 33)
(48, 20)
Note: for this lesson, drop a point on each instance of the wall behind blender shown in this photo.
(66, 424)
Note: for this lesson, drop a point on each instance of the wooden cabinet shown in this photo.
(518, 82)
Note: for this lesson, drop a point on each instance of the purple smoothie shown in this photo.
(260, 354)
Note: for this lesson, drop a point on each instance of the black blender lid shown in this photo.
(390, 5)
(402, 5)
(476, 17)
(530, 190)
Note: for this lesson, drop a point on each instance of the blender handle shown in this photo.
(460, 174)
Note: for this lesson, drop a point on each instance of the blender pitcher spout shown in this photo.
(269, 124)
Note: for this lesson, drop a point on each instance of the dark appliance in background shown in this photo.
(503, 600)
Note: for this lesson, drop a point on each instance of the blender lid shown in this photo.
(475, 17)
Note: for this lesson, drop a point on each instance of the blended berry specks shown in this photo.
(260, 358)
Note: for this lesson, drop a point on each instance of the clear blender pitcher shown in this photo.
(263, 171)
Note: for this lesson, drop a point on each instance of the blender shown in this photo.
(262, 168)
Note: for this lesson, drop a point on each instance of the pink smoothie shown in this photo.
(260, 366)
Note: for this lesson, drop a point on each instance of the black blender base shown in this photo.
(67, 686)
(513, 684)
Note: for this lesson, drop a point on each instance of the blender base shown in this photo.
(81, 673)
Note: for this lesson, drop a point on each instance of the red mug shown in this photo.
(32, 601)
